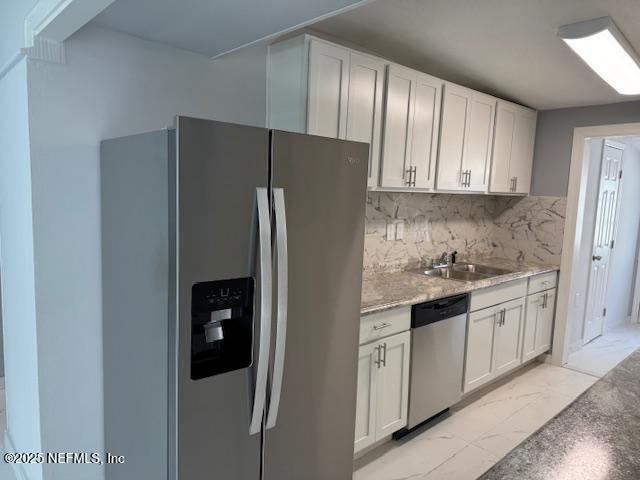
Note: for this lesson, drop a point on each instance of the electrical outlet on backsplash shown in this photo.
(516, 228)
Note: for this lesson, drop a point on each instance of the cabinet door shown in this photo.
(328, 90)
(426, 122)
(479, 141)
(398, 120)
(500, 181)
(479, 360)
(544, 329)
(506, 351)
(367, 391)
(455, 116)
(531, 322)
(393, 385)
(364, 113)
(522, 151)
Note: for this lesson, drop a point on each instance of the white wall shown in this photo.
(622, 269)
(16, 259)
(12, 15)
(112, 85)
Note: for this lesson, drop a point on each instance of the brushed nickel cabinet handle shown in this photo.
(380, 326)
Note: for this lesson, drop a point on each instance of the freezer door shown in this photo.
(221, 170)
(324, 183)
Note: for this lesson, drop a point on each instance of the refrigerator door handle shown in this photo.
(282, 270)
(266, 293)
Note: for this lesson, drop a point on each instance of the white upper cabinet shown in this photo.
(456, 104)
(466, 137)
(512, 158)
(328, 90)
(397, 127)
(364, 111)
(477, 155)
(424, 134)
(411, 121)
(320, 88)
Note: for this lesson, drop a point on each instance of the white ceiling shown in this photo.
(505, 47)
(213, 27)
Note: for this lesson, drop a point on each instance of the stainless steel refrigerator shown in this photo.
(232, 260)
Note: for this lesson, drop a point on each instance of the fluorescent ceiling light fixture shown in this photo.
(603, 47)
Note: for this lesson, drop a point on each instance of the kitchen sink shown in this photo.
(465, 272)
(453, 274)
(481, 269)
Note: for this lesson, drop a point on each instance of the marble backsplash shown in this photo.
(516, 228)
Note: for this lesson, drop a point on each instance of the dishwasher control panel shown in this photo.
(437, 310)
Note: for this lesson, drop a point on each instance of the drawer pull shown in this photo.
(382, 325)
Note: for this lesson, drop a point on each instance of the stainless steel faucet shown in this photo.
(447, 259)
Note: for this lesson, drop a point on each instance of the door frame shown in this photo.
(566, 312)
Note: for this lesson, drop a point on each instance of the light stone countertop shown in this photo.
(384, 291)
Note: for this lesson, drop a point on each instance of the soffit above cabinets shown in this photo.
(215, 27)
(508, 48)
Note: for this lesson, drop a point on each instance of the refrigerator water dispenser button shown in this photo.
(221, 326)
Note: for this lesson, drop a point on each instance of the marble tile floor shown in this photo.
(605, 352)
(480, 430)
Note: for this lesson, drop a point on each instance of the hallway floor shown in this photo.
(480, 431)
(606, 351)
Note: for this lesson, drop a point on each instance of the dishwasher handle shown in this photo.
(430, 312)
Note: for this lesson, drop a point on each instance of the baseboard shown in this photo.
(9, 447)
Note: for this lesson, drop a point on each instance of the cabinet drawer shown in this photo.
(383, 324)
(488, 297)
(541, 282)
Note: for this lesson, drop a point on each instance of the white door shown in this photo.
(398, 124)
(479, 141)
(500, 181)
(393, 384)
(506, 351)
(328, 90)
(426, 123)
(603, 236)
(531, 321)
(364, 113)
(453, 128)
(522, 151)
(367, 391)
(544, 328)
(479, 360)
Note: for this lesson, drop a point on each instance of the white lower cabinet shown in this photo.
(367, 395)
(508, 334)
(538, 330)
(493, 342)
(383, 389)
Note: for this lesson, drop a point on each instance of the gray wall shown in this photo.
(554, 139)
(112, 85)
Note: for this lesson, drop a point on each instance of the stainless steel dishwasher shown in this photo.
(438, 332)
